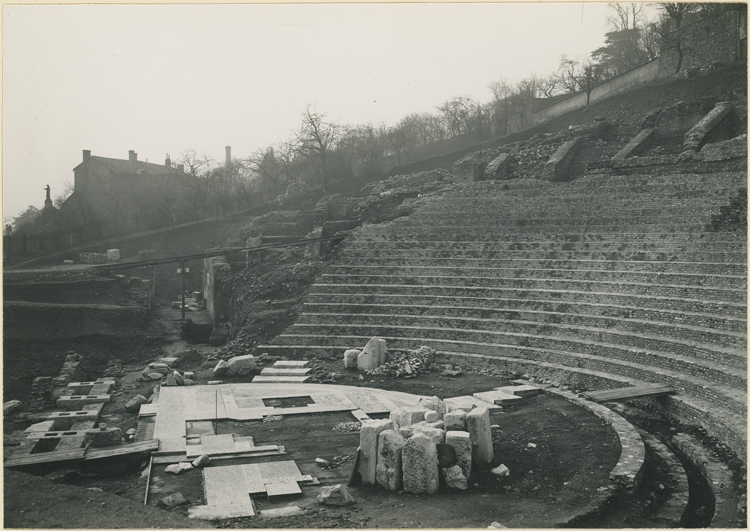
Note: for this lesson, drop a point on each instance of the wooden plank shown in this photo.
(122, 449)
(623, 393)
(47, 457)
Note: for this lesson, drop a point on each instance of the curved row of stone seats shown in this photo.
(546, 309)
(694, 360)
(512, 297)
(633, 255)
(698, 341)
(730, 399)
(608, 280)
(718, 280)
(407, 260)
(614, 286)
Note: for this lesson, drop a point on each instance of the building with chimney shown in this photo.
(128, 195)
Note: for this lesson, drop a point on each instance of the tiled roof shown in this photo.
(126, 167)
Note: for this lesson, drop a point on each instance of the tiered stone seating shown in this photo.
(602, 280)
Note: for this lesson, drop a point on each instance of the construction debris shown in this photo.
(408, 364)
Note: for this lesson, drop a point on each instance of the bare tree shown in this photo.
(575, 75)
(626, 15)
(677, 11)
(315, 139)
(457, 114)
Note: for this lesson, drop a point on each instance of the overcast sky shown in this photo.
(161, 79)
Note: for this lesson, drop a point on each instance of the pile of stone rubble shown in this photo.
(375, 359)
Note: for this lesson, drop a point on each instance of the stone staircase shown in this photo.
(604, 281)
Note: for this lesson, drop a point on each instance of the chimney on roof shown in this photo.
(229, 156)
(168, 162)
(86, 154)
(181, 168)
(132, 156)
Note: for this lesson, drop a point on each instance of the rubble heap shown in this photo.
(375, 359)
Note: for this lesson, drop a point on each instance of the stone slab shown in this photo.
(467, 401)
(76, 415)
(286, 488)
(277, 371)
(520, 390)
(290, 510)
(227, 494)
(497, 397)
(280, 379)
(148, 410)
(291, 364)
(368, 403)
(75, 401)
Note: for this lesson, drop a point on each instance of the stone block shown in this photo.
(113, 254)
(222, 368)
(455, 420)
(173, 500)
(436, 435)
(178, 378)
(433, 403)
(520, 390)
(11, 407)
(368, 444)
(420, 465)
(201, 461)
(478, 425)
(558, 166)
(406, 431)
(241, 364)
(498, 398)
(134, 404)
(406, 416)
(500, 470)
(171, 382)
(388, 468)
(335, 495)
(373, 355)
(431, 416)
(350, 358)
(103, 437)
(460, 441)
(178, 468)
(498, 168)
(455, 478)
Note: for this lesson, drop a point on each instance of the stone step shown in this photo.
(372, 257)
(522, 390)
(273, 371)
(717, 476)
(294, 364)
(498, 398)
(730, 396)
(338, 312)
(281, 379)
(610, 286)
(699, 362)
(453, 241)
(368, 232)
(619, 331)
(434, 251)
(665, 278)
(439, 305)
(671, 508)
(564, 296)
